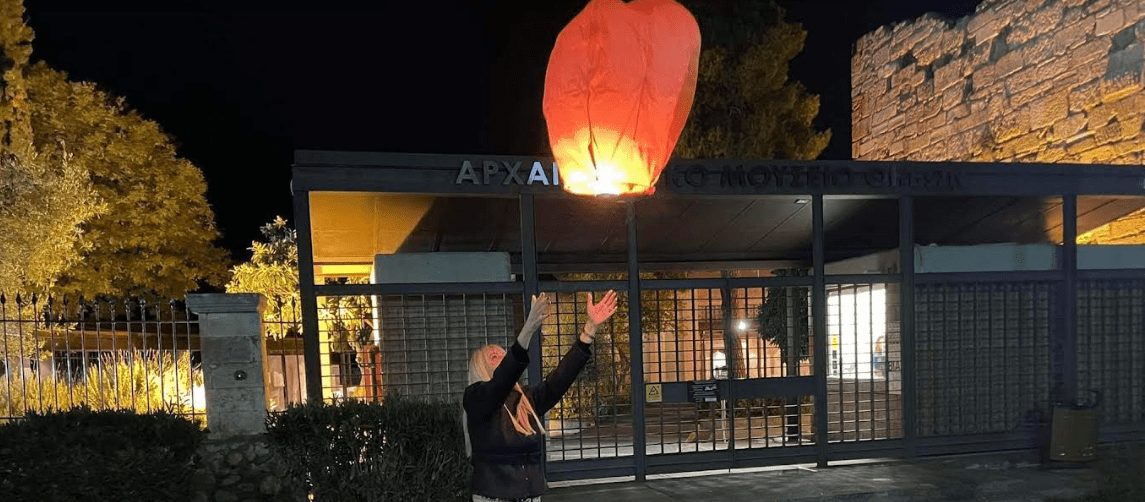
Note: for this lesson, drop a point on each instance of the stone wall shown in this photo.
(243, 468)
(236, 462)
(1056, 81)
(1019, 80)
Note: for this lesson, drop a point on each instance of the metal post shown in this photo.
(794, 417)
(732, 359)
(529, 276)
(906, 324)
(1069, 299)
(819, 315)
(636, 345)
(310, 352)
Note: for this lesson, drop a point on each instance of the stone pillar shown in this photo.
(234, 361)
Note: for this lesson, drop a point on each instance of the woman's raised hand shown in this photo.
(597, 314)
(540, 310)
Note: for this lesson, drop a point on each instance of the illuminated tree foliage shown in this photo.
(93, 197)
(44, 198)
(273, 272)
(158, 234)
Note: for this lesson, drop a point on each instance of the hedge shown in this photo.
(81, 454)
(399, 450)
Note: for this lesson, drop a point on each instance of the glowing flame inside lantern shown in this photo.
(620, 83)
(617, 172)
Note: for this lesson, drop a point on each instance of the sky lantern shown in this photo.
(618, 89)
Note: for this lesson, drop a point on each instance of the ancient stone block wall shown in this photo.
(1019, 80)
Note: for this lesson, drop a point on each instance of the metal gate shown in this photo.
(719, 370)
(728, 374)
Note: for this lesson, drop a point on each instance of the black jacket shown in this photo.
(506, 463)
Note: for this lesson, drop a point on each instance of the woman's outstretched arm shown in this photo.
(485, 398)
(546, 395)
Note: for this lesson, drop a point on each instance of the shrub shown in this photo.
(142, 381)
(402, 449)
(82, 454)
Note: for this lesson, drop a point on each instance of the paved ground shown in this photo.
(994, 477)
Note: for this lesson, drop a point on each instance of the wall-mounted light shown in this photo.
(742, 325)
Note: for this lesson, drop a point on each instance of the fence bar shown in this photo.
(906, 324)
(635, 344)
(441, 288)
(1110, 274)
(310, 353)
(993, 277)
(578, 286)
(850, 279)
(529, 275)
(734, 282)
(732, 359)
(819, 316)
(1069, 299)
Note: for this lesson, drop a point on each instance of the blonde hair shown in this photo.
(481, 371)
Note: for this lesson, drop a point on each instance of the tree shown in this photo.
(611, 366)
(157, 236)
(782, 321)
(44, 199)
(745, 106)
(93, 198)
(273, 272)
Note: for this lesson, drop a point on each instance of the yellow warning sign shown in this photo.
(653, 393)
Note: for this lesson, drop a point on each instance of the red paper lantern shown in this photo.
(618, 89)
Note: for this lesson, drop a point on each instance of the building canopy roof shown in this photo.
(367, 204)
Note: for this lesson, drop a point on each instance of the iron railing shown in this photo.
(285, 365)
(58, 353)
(987, 361)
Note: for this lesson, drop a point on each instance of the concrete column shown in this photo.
(234, 361)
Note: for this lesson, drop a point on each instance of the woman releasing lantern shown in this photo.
(503, 431)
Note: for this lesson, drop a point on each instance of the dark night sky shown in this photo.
(241, 89)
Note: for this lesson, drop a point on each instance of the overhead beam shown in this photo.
(489, 175)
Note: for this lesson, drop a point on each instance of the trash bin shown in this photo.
(1073, 431)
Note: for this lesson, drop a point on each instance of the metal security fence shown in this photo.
(987, 349)
(285, 364)
(877, 345)
(415, 344)
(983, 355)
(594, 420)
(1111, 347)
(864, 372)
(686, 342)
(58, 353)
(724, 333)
(992, 358)
(771, 338)
(986, 365)
(424, 342)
